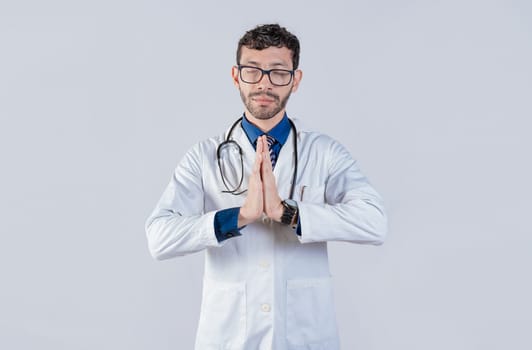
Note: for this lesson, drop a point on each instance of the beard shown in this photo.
(264, 113)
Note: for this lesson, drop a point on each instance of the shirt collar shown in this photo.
(279, 132)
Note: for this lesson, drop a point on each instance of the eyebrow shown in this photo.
(276, 64)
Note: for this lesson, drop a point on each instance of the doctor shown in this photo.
(262, 200)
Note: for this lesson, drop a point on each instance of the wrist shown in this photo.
(278, 212)
(244, 218)
(290, 212)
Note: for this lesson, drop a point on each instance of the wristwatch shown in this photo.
(290, 211)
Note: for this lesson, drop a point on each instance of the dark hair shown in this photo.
(268, 35)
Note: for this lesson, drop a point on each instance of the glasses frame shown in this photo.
(267, 72)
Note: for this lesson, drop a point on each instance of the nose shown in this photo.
(264, 82)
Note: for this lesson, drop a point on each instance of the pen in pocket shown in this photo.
(302, 191)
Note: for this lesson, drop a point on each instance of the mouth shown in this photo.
(263, 98)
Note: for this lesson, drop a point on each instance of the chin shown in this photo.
(263, 117)
(262, 114)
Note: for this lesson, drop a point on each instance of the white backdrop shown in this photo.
(99, 100)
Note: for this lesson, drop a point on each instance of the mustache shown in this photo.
(267, 93)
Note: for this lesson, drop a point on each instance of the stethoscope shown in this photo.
(231, 143)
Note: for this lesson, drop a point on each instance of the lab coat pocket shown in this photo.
(222, 323)
(312, 194)
(310, 316)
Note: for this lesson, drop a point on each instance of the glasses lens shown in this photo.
(250, 75)
(280, 77)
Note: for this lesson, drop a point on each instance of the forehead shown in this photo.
(269, 57)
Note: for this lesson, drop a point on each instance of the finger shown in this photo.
(259, 144)
(260, 147)
(266, 159)
(258, 157)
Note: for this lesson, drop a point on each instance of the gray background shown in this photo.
(99, 100)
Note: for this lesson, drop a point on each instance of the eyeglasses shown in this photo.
(278, 77)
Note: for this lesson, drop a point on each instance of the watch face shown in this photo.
(291, 202)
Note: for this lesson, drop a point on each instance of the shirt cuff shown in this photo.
(226, 224)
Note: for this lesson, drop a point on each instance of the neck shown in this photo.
(265, 124)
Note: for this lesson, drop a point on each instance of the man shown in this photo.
(267, 282)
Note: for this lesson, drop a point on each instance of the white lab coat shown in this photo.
(269, 288)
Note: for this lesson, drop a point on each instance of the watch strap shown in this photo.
(289, 216)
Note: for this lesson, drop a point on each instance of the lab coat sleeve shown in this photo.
(349, 208)
(178, 225)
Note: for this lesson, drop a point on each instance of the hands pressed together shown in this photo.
(262, 194)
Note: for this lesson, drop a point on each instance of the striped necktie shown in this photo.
(271, 142)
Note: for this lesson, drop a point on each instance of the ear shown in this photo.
(234, 76)
(298, 75)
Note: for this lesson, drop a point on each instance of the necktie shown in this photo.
(273, 155)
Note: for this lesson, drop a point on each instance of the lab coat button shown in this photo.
(266, 307)
(266, 220)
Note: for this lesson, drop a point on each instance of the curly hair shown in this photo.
(268, 35)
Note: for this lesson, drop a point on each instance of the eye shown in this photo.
(280, 73)
(250, 70)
